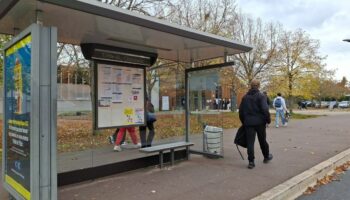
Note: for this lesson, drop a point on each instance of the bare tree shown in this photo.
(204, 15)
(264, 38)
(3, 40)
(146, 7)
(154, 74)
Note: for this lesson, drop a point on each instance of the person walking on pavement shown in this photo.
(280, 106)
(254, 115)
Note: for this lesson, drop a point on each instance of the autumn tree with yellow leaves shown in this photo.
(298, 64)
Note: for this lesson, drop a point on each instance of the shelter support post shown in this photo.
(46, 110)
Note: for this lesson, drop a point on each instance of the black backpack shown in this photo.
(241, 139)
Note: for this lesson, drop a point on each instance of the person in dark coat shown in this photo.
(254, 115)
(268, 101)
(147, 141)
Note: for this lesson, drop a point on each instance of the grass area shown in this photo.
(74, 133)
(74, 113)
(74, 130)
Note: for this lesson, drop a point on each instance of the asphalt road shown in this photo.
(336, 190)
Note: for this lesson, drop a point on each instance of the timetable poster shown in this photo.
(120, 96)
(17, 115)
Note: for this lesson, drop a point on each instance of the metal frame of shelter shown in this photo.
(187, 90)
(89, 21)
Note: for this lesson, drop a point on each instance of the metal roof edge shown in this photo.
(5, 6)
(104, 10)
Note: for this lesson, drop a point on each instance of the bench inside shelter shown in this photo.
(165, 147)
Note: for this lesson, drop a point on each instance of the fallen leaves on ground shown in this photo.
(309, 190)
(74, 133)
(328, 178)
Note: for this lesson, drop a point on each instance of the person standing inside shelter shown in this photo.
(150, 119)
(121, 134)
(280, 106)
(254, 115)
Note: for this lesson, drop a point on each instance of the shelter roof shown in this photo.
(90, 21)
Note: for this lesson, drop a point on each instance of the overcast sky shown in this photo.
(325, 20)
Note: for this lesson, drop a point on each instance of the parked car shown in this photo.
(344, 104)
(309, 104)
(332, 104)
(317, 104)
(305, 103)
(324, 104)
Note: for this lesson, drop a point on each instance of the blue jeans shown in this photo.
(280, 112)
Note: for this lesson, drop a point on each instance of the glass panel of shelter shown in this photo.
(206, 106)
(79, 148)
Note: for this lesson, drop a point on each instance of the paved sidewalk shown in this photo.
(296, 148)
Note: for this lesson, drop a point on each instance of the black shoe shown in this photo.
(251, 165)
(269, 157)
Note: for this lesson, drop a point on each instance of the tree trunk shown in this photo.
(290, 92)
(92, 95)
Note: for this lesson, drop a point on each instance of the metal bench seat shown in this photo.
(164, 147)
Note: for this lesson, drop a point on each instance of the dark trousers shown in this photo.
(143, 134)
(264, 146)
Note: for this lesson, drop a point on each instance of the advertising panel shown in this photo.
(17, 91)
(120, 96)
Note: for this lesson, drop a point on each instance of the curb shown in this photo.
(294, 187)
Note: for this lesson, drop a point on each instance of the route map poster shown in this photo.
(17, 91)
(120, 96)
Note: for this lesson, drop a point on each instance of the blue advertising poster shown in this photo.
(17, 88)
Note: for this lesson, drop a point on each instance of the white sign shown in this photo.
(120, 96)
(165, 102)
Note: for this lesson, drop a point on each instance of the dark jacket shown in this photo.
(149, 107)
(268, 101)
(254, 110)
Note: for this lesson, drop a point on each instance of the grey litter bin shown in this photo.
(213, 140)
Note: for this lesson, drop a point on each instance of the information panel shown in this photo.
(17, 88)
(120, 96)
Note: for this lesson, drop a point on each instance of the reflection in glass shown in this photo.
(206, 105)
(80, 147)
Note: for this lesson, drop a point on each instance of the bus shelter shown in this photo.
(122, 48)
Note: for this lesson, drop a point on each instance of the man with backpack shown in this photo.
(280, 106)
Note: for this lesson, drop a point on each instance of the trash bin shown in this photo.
(213, 140)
